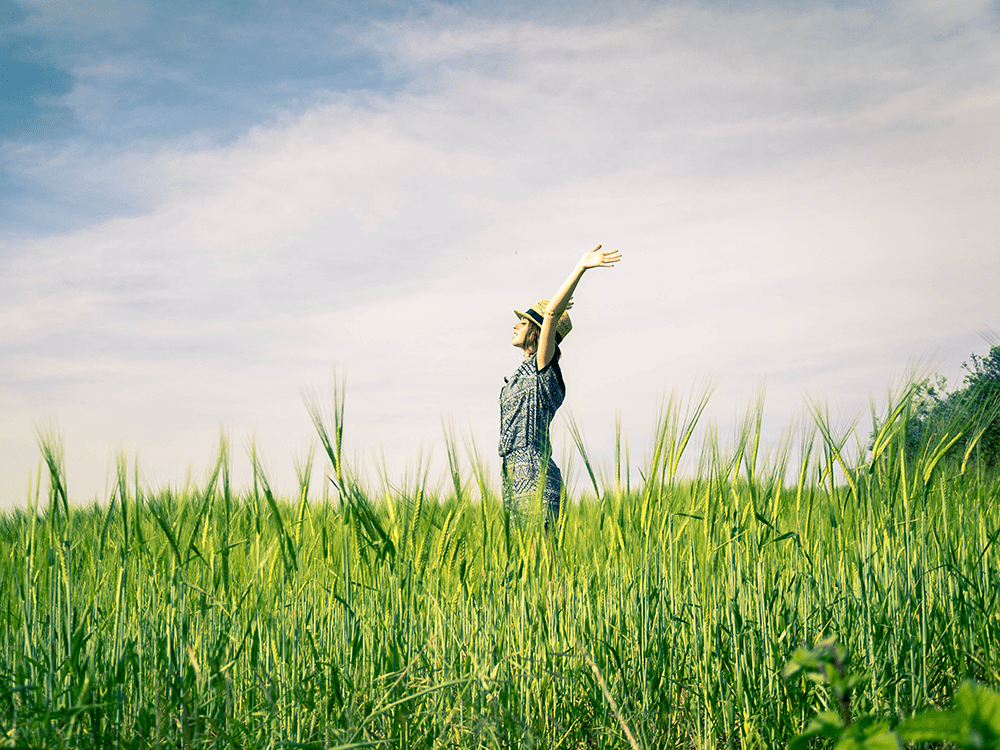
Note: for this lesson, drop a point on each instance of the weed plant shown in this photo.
(653, 615)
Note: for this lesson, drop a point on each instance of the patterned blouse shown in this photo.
(528, 401)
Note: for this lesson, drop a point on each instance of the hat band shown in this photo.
(535, 317)
(537, 320)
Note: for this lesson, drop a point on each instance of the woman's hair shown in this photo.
(531, 335)
(531, 339)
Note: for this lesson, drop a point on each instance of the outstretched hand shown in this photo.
(598, 258)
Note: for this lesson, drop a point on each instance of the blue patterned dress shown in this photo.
(528, 401)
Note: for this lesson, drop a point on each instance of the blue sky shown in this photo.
(205, 207)
(107, 77)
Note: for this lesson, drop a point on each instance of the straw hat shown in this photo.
(536, 314)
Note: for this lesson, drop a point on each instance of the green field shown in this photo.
(659, 613)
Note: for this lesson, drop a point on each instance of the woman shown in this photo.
(530, 397)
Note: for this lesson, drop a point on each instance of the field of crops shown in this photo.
(659, 612)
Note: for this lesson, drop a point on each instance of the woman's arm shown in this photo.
(595, 258)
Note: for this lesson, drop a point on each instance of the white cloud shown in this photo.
(805, 197)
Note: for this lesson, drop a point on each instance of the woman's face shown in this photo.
(520, 331)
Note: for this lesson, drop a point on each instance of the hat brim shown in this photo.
(530, 315)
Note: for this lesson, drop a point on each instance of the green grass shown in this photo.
(659, 613)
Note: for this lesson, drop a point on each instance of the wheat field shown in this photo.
(659, 612)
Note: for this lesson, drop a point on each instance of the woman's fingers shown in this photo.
(610, 257)
(597, 257)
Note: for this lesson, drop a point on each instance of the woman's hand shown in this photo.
(563, 300)
(598, 258)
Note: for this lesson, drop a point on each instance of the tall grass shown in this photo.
(657, 613)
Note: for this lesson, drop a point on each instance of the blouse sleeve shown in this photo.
(550, 389)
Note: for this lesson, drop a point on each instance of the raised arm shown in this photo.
(595, 258)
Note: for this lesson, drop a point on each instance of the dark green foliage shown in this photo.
(982, 393)
(936, 413)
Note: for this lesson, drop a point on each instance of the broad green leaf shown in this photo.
(974, 722)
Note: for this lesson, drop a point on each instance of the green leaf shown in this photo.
(868, 734)
(933, 726)
(973, 723)
(981, 707)
(824, 724)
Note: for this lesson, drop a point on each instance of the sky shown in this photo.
(209, 210)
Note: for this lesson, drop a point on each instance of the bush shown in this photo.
(970, 413)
